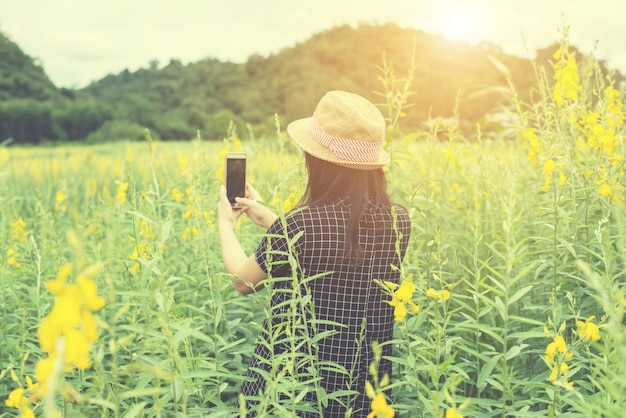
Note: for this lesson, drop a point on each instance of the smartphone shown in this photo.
(235, 175)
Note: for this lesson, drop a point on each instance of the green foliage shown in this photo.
(21, 77)
(116, 130)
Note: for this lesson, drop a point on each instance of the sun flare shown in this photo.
(459, 25)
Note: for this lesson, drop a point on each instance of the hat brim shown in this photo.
(298, 130)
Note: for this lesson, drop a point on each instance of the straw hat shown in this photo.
(345, 129)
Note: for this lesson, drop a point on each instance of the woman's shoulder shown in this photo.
(294, 218)
(401, 213)
(400, 210)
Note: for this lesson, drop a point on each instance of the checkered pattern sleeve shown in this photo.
(277, 249)
(346, 302)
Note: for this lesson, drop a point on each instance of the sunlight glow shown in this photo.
(459, 25)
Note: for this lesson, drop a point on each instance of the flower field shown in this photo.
(116, 304)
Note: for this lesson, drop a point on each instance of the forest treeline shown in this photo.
(176, 101)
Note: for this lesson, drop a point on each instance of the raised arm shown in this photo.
(247, 274)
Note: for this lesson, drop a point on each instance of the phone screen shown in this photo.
(235, 176)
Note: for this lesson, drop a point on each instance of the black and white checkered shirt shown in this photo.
(343, 311)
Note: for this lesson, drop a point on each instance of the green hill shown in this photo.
(175, 101)
(20, 76)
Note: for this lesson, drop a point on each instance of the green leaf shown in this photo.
(135, 410)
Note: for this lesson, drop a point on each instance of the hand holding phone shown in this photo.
(235, 175)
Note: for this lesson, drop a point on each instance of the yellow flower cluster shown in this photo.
(453, 413)
(190, 201)
(67, 332)
(65, 335)
(290, 201)
(588, 330)
(192, 211)
(380, 408)
(12, 258)
(402, 295)
(141, 251)
(566, 79)
(18, 398)
(556, 355)
(122, 189)
(598, 143)
(549, 166)
(190, 233)
(19, 232)
(531, 142)
(59, 204)
(601, 143)
(177, 195)
(145, 230)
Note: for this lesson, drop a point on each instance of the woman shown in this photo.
(325, 254)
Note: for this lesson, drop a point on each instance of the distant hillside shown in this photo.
(33, 109)
(176, 101)
(20, 76)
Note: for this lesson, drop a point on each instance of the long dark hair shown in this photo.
(328, 182)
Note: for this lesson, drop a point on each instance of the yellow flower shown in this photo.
(60, 198)
(380, 409)
(401, 297)
(405, 292)
(145, 230)
(567, 82)
(453, 413)
(26, 412)
(32, 387)
(11, 258)
(558, 371)
(557, 346)
(441, 295)
(450, 156)
(399, 312)
(47, 333)
(177, 195)
(605, 190)
(531, 141)
(89, 325)
(588, 330)
(89, 291)
(16, 399)
(43, 370)
(548, 167)
(122, 188)
(65, 313)
(19, 231)
(190, 233)
(56, 285)
(614, 117)
(77, 350)
(292, 200)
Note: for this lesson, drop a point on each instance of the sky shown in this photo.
(80, 41)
